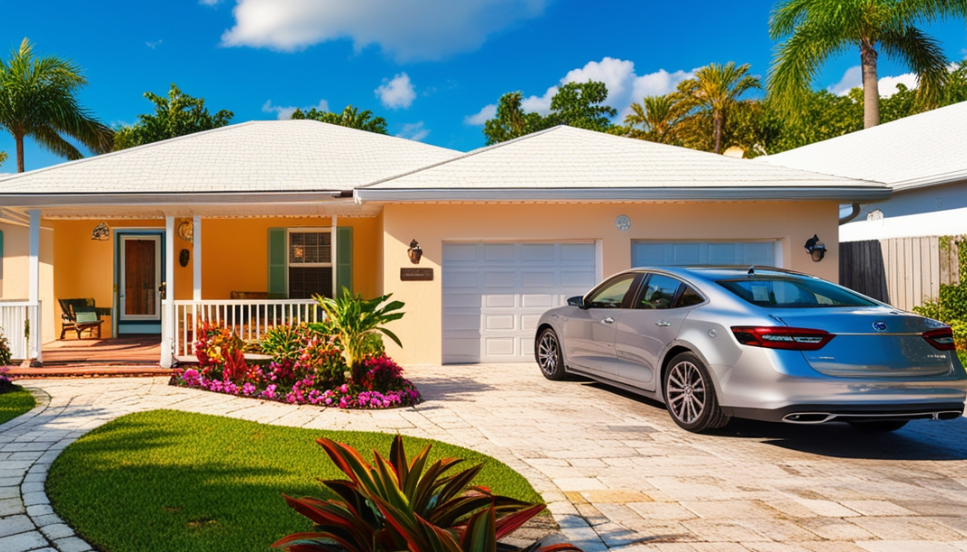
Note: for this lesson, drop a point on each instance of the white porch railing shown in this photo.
(249, 318)
(15, 318)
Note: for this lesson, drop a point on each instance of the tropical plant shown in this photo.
(220, 353)
(654, 119)
(3, 157)
(709, 99)
(37, 99)
(354, 320)
(285, 341)
(815, 30)
(4, 351)
(404, 505)
(350, 117)
(176, 115)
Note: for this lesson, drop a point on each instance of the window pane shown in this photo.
(659, 293)
(689, 298)
(310, 247)
(613, 293)
(794, 293)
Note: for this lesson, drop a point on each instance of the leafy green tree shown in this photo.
(350, 117)
(574, 104)
(511, 121)
(3, 157)
(815, 30)
(37, 100)
(711, 96)
(654, 119)
(581, 105)
(176, 115)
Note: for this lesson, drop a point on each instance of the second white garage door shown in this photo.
(494, 294)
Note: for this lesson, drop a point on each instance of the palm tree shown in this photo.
(3, 157)
(37, 100)
(658, 117)
(350, 117)
(715, 91)
(815, 30)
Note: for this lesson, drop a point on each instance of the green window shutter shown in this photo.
(278, 285)
(344, 258)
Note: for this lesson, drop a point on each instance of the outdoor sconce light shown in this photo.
(415, 252)
(101, 232)
(183, 257)
(815, 248)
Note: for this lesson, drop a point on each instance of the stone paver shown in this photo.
(614, 470)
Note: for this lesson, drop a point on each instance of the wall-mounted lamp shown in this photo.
(815, 248)
(415, 252)
(101, 232)
(183, 257)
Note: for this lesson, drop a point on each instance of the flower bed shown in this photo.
(310, 363)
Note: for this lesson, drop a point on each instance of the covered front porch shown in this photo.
(108, 277)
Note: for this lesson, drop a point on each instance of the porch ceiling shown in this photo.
(342, 208)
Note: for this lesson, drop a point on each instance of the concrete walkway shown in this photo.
(616, 472)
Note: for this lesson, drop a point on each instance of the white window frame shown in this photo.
(299, 230)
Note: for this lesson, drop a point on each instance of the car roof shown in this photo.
(717, 272)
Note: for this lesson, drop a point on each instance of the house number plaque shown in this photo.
(416, 274)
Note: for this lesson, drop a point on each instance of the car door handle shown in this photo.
(607, 320)
(663, 324)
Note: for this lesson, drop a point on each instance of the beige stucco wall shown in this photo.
(14, 272)
(432, 224)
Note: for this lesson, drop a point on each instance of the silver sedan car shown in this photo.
(713, 343)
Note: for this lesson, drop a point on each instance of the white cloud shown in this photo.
(414, 131)
(624, 87)
(153, 45)
(887, 86)
(405, 29)
(209, 2)
(489, 111)
(285, 112)
(396, 93)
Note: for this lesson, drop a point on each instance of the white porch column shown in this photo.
(196, 253)
(168, 321)
(33, 311)
(332, 238)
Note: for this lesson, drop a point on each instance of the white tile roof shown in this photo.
(565, 158)
(920, 150)
(258, 156)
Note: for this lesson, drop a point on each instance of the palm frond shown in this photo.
(925, 57)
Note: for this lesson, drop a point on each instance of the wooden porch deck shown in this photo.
(126, 356)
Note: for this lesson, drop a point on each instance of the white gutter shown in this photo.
(162, 199)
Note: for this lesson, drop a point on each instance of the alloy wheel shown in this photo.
(686, 393)
(547, 354)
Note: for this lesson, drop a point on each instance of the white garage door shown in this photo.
(649, 253)
(494, 294)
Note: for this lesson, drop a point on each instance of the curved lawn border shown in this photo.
(15, 403)
(173, 481)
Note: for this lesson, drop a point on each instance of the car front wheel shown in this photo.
(548, 353)
(690, 395)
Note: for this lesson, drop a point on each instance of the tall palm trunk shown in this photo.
(871, 92)
(717, 130)
(19, 138)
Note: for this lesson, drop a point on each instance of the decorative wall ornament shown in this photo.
(183, 257)
(186, 231)
(415, 252)
(622, 222)
(101, 232)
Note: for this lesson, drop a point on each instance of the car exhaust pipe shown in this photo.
(946, 415)
(808, 418)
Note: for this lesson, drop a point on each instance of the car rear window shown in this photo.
(782, 292)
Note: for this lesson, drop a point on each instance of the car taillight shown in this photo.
(941, 338)
(779, 337)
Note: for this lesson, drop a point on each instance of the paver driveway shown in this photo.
(615, 470)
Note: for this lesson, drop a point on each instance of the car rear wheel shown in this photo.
(879, 426)
(547, 350)
(690, 395)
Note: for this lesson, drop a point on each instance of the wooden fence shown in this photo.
(902, 271)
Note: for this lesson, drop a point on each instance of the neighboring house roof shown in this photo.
(913, 152)
(565, 163)
(248, 159)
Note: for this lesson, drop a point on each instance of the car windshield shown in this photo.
(784, 292)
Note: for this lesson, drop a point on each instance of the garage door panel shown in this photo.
(647, 253)
(492, 315)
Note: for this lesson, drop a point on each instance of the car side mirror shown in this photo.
(576, 301)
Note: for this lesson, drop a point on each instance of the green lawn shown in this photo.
(15, 403)
(172, 481)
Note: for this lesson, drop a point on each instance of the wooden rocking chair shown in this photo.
(81, 315)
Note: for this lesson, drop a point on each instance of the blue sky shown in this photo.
(430, 67)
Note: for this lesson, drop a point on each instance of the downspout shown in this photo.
(855, 211)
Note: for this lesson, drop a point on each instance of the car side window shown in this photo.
(612, 294)
(689, 298)
(659, 292)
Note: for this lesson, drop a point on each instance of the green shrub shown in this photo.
(284, 342)
(4, 351)
(950, 306)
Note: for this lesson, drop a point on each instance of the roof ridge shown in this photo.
(123, 151)
(470, 153)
